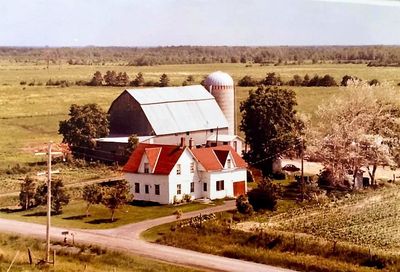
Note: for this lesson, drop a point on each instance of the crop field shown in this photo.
(370, 220)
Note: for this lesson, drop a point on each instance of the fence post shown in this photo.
(30, 256)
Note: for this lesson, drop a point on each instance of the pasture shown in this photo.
(29, 115)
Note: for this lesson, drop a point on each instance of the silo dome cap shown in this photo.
(218, 78)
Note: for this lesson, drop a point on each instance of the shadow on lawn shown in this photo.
(143, 203)
(43, 213)
(11, 210)
(76, 217)
(102, 221)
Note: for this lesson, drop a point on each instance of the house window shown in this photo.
(157, 189)
(178, 169)
(225, 143)
(137, 188)
(229, 163)
(192, 187)
(146, 168)
(146, 188)
(178, 189)
(187, 133)
(220, 185)
(205, 187)
(192, 167)
(212, 130)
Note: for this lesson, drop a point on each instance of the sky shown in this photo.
(198, 22)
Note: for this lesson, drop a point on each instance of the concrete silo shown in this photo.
(221, 86)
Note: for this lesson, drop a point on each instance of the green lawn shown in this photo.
(73, 215)
(86, 258)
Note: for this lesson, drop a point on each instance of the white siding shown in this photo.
(199, 137)
(150, 180)
(185, 178)
(229, 178)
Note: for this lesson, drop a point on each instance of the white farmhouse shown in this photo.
(164, 173)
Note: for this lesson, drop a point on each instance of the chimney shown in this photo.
(191, 143)
(183, 144)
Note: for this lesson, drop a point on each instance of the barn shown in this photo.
(168, 113)
(203, 115)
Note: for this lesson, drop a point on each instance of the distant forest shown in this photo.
(143, 56)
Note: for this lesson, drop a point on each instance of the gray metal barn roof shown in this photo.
(179, 109)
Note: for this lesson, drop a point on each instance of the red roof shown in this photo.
(164, 157)
(239, 162)
(214, 158)
(207, 158)
(152, 155)
(167, 156)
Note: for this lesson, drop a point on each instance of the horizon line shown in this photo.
(192, 45)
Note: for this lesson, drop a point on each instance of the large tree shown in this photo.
(59, 196)
(270, 124)
(85, 124)
(358, 129)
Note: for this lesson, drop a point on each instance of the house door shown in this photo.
(239, 188)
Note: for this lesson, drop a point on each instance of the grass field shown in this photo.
(80, 258)
(29, 115)
(359, 233)
(73, 215)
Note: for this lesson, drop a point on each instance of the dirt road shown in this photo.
(127, 238)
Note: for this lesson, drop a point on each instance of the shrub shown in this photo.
(23, 82)
(187, 198)
(326, 178)
(347, 78)
(374, 82)
(272, 79)
(243, 205)
(17, 169)
(247, 81)
(265, 196)
(296, 81)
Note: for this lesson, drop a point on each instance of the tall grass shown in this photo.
(78, 258)
(296, 251)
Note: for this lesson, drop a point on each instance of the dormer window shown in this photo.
(178, 169)
(146, 168)
(229, 163)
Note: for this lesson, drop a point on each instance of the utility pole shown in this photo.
(302, 168)
(49, 154)
(48, 202)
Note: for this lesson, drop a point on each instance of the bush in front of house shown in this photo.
(264, 196)
(243, 205)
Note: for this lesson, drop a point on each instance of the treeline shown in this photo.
(112, 78)
(274, 79)
(135, 56)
